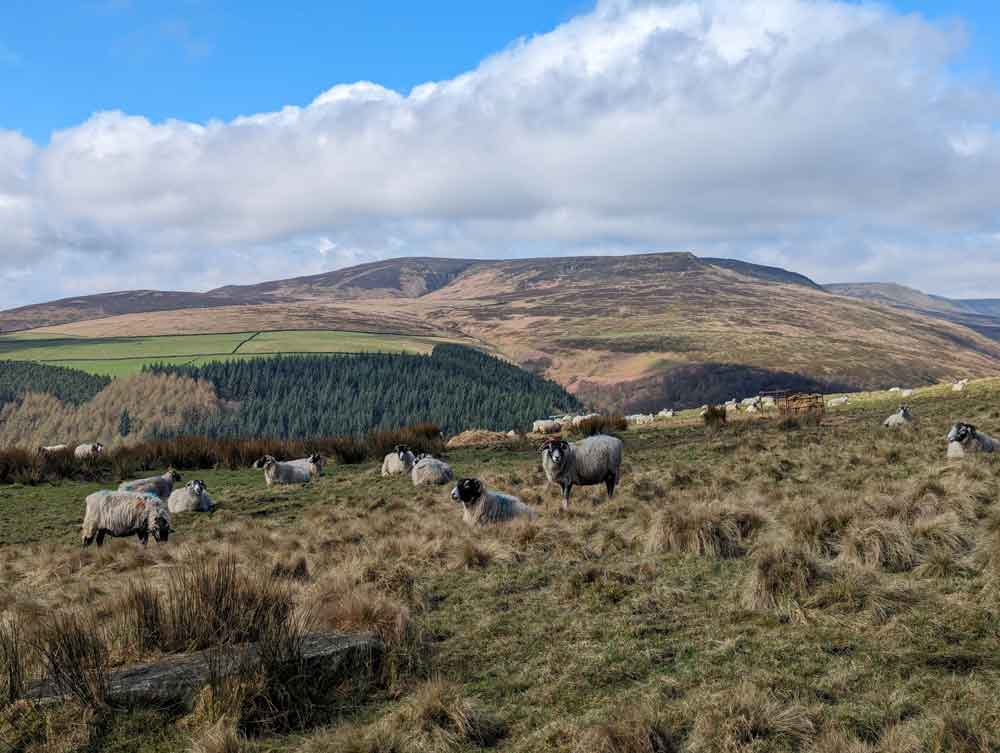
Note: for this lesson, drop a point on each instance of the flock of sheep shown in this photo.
(143, 508)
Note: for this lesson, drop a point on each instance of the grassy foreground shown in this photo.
(120, 356)
(831, 589)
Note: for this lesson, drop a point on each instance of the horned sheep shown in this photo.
(481, 507)
(398, 462)
(191, 498)
(900, 419)
(429, 470)
(284, 473)
(119, 514)
(161, 486)
(970, 439)
(88, 450)
(594, 460)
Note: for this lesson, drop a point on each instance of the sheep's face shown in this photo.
(98, 448)
(269, 462)
(316, 459)
(198, 487)
(173, 475)
(557, 450)
(403, 452)
(467, 491)
(160, 526)
(962, 433)
(904, 411)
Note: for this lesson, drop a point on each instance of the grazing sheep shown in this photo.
(838, 401)
(546, 426)
(120, 514)
(284, 473)
(52, 448)
(161, 486)
(899, 419)
(640, 419)
(191, 498)
(428, 470)
(594, 460)
(399, 461)
(481, 507)
(665, 414)
(314, 463)
(971, 439)
(87, 450)
(748, 401)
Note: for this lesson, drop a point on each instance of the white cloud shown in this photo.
(828, 136)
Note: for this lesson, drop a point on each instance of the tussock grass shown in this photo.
(885, 543)
(747, 718)
(648, 728)
(713, 530)
(782, 576)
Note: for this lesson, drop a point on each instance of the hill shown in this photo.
(980, 315)
(614, 330)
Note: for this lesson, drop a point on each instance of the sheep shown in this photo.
(190, 498)
(314, 463)
(578, 420)
(900, 419)
(284, 473)
(665, 413)
(481, 507)
(118, 514)
(398, 462)
(748, 401)
(960, 385)
(970, 439)
(594, 460)
(428, 470)
(546, 426)
(52, 448)
(87, 450)
(838, 401)
(640, 419)
(161, 486)
(906, 393)
(895, 389)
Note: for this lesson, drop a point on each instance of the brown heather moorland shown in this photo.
(755, 587)
(610, 329)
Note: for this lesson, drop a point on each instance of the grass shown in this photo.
(833, 588)
(120, 356)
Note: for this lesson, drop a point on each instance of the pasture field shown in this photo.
(120, 356)
(760, 587)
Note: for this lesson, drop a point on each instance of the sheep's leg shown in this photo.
(566, 489)
(87, 541)
(610, 482)
(100, 538)
(143, 538)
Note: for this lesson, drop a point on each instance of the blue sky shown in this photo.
(189, 144)
(203, 59)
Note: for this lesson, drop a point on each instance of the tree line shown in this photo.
(17, 378)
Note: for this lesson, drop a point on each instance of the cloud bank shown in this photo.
(832, 138)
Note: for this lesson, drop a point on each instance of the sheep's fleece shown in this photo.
(117, 514)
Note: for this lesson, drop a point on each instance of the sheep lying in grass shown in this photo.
(594, 460)
(838, 401)
(546, 426)
(640, 419)
(398, 462)
(88, 450)
(52, 448)
(960, 385)
(191, 498)
(121, 513)
(161, 486)
(284, 473)
(665, 414)
(314, 463)
(969, 439)
(428, 470)
(900, 419)
(481, 507)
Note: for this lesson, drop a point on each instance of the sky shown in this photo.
(188, 144)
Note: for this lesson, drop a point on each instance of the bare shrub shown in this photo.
(75, 658)
(714, 416)
(14, 661)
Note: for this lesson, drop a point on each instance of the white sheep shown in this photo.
(120, 514)
(895, 389)
(665, 414)
(284, 473)
(314, 463)
(970, 439)
(481, 507)
(960, 385)
(52, 448)
(838, 401)
(546, 426)
(594, 460)
(161, 486)
(640, 419)
(900, 419)
(578, 420)
(428, 470)
(398, 462)
(191, 498)
(88, 450)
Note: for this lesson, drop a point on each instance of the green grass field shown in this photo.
(120, 356)
(831, 589)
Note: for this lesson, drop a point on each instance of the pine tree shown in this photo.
(124, 423)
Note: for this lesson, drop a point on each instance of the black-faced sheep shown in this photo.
(969, 439)
(428, 470)
(900, 419)
(88, 450)
(161, 486)
(191, 498)
(594, 460)
(120, 514)
(398, 462)
(314, 463)
(283, 473)
(482, 507)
